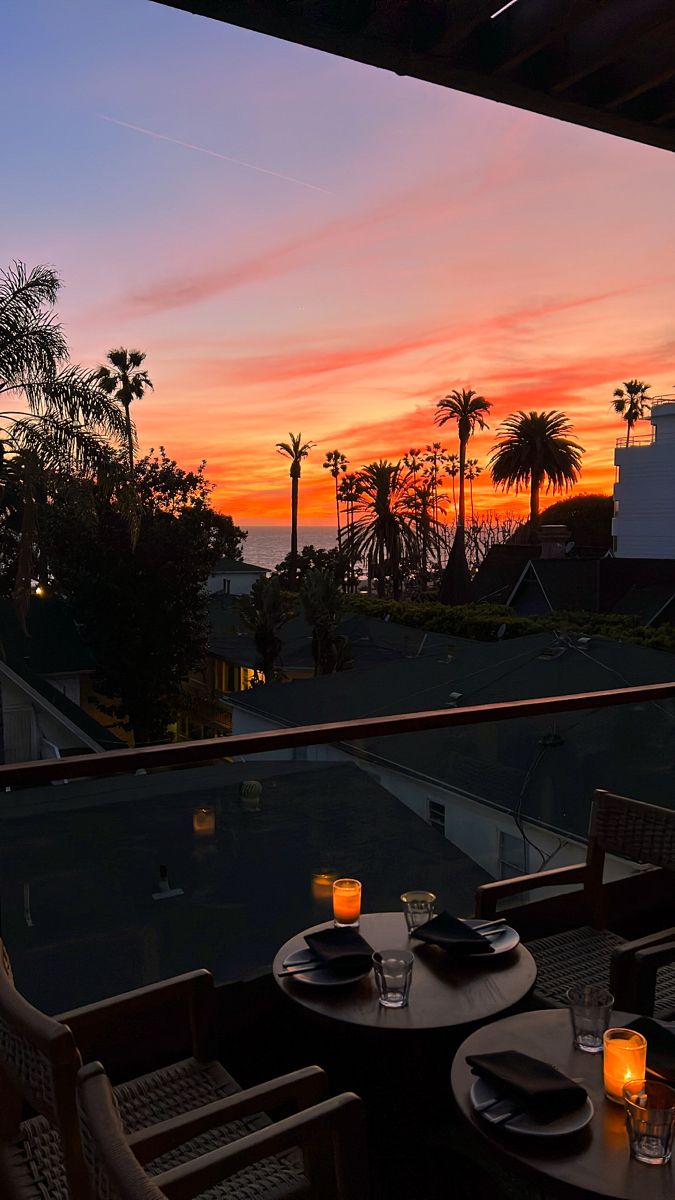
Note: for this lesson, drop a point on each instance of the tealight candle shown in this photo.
(346, 901)
(625, 1060)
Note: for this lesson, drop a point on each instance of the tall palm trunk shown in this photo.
(337, 514)
(461, 516)
(130, 436)
(629, 426)
(535, 487)
(294, 527)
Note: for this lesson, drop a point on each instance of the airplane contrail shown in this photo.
(163, 137)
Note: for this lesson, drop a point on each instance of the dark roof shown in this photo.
(500, 571)
(52, 645)
(81, 719)
(234, 566)
(606, 66)
(601, 585)
(647, 603)
(506, 764)
(246, 888)
(371, 640)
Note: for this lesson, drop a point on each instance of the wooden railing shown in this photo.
(189, 754)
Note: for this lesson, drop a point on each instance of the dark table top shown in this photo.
(593, 1162)
(446, 992)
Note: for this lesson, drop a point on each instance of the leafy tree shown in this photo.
(312, 558)
(296, 450)
(534, 447)
(322, 600)
(383, 531)
(264, 611)
(588, 518)
(55, 421)
(125, 382)
(143, 607)
(336, 462)
(630, 402)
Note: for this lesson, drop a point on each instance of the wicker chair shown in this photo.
(640, 972)
(39, 1062)
(331, 1134)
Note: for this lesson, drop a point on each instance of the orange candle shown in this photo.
(346, 901)
(625, 1060)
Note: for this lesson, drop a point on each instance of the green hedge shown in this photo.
(482, 621)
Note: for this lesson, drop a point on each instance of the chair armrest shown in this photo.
(633, 971)
(303, 1088)
(195, 987)
(488, 895)
(331, 1133)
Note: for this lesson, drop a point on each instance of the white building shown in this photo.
(234, 578)
(644, 491)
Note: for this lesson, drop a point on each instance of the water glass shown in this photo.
(590, 1011)
(393, 975)
(650, 1120)
(419, 907)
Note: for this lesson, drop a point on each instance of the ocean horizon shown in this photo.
(268, 545)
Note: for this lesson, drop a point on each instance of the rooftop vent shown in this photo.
(453, 699)
(583, 642)
(551, 652)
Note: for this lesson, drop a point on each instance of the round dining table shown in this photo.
(595, 1161)
(447, 992)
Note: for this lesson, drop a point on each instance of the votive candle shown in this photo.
(625, 1060)
(346, 901)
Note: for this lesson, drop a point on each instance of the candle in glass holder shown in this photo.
(346, 901)
(625, 1060)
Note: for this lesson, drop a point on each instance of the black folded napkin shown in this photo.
(660, 1037)
(340, 947)
(446, 931)
(542, 1091)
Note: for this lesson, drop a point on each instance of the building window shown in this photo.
(437, 815)
(512, 855)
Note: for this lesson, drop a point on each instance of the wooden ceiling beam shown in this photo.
(286, 21)
(603, 37)
(522, 31)
(636, 82)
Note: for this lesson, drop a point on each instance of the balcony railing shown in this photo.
(253, 828)
(647, 440)
(208, 750)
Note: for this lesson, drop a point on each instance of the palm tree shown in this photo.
(382, 531)
(629, 401)
(535, 447)
(453, 472)
(322, 599)
(296, 450)
(263, 612)
(348, 494)
(472, 472)
(60, 421)
(337, 464)
(125, 383)
(468, 409)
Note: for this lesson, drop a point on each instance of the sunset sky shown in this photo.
(302, 243)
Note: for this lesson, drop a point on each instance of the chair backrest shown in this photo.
(643, 833)
(114, 1171)
(39, 1062)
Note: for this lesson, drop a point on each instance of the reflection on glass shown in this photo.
(204, 822)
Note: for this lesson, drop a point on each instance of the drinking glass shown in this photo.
(590, 1010)
(650, 1120)
(393, 973)
(419, 907)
